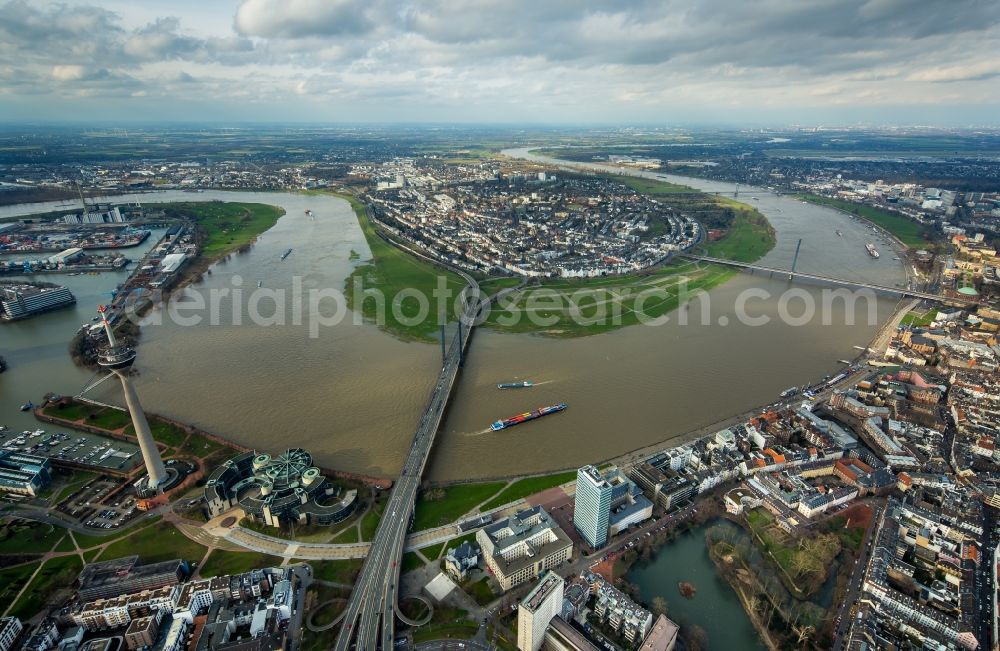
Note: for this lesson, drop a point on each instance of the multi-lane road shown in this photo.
(369, 619)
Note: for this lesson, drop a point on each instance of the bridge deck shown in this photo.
(369, 621)
(901, 291)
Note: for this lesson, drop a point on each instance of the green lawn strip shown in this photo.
(390, 271)
(72, 411)
(652, 187)
(56, 573)
(494, 285)
(572, 308)
(86, 541)
(221, 562)
(226, 226)
(410, 561)
(336, 571)
(432, 552)
(12, 579)
(110, 419)
(370, 520)
(446, 623)
(29, 537)
(164, 432)
(918, 319)
(529, 486)
(908, 231)
(748, 238)
(347, 536)
(91, 555)
(65, 545)
(454, 502)
(160, 542)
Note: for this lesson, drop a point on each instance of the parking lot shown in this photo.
(101, 504)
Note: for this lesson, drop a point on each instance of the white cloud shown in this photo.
(507, 59)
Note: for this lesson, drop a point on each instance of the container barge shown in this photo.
(526, 416)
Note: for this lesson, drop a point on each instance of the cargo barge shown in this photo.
(526, 416)
(286, 254)
(516, 385)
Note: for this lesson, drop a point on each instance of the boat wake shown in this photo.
(479, 433)
(538, 384)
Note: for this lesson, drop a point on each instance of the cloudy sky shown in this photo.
(532, 61)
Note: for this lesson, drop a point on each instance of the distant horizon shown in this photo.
(689, 62)
(112, 124)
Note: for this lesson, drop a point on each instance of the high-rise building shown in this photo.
(607, 504)
(10, 630)
(22, 301)
(592, 511)
(536, 611)
(119, 359)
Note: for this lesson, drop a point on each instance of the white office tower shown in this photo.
(536, 611)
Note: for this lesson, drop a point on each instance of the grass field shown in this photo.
(369, 523)
(525, 487)
(748, 239)
(580, 307)
(160, 542)
(166, 433)
(908, 231)
(336, 571)
(86, 541)
(919, 319)
(12, 580)
(56, 573)
(453, 504)
(28, 537)
(226, 226)
(654, 188)
(221, 562)
(446, 623)
(432, 552)
(411, 561)
(347, 536)
(389, 272)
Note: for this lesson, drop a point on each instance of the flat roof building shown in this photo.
(523, 546)
(23, 301)
(24, 474)
(663, 636)
(536, 611)
(121, 576)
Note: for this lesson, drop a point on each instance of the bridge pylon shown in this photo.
(795, 260)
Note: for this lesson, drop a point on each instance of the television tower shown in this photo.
(118, 359)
